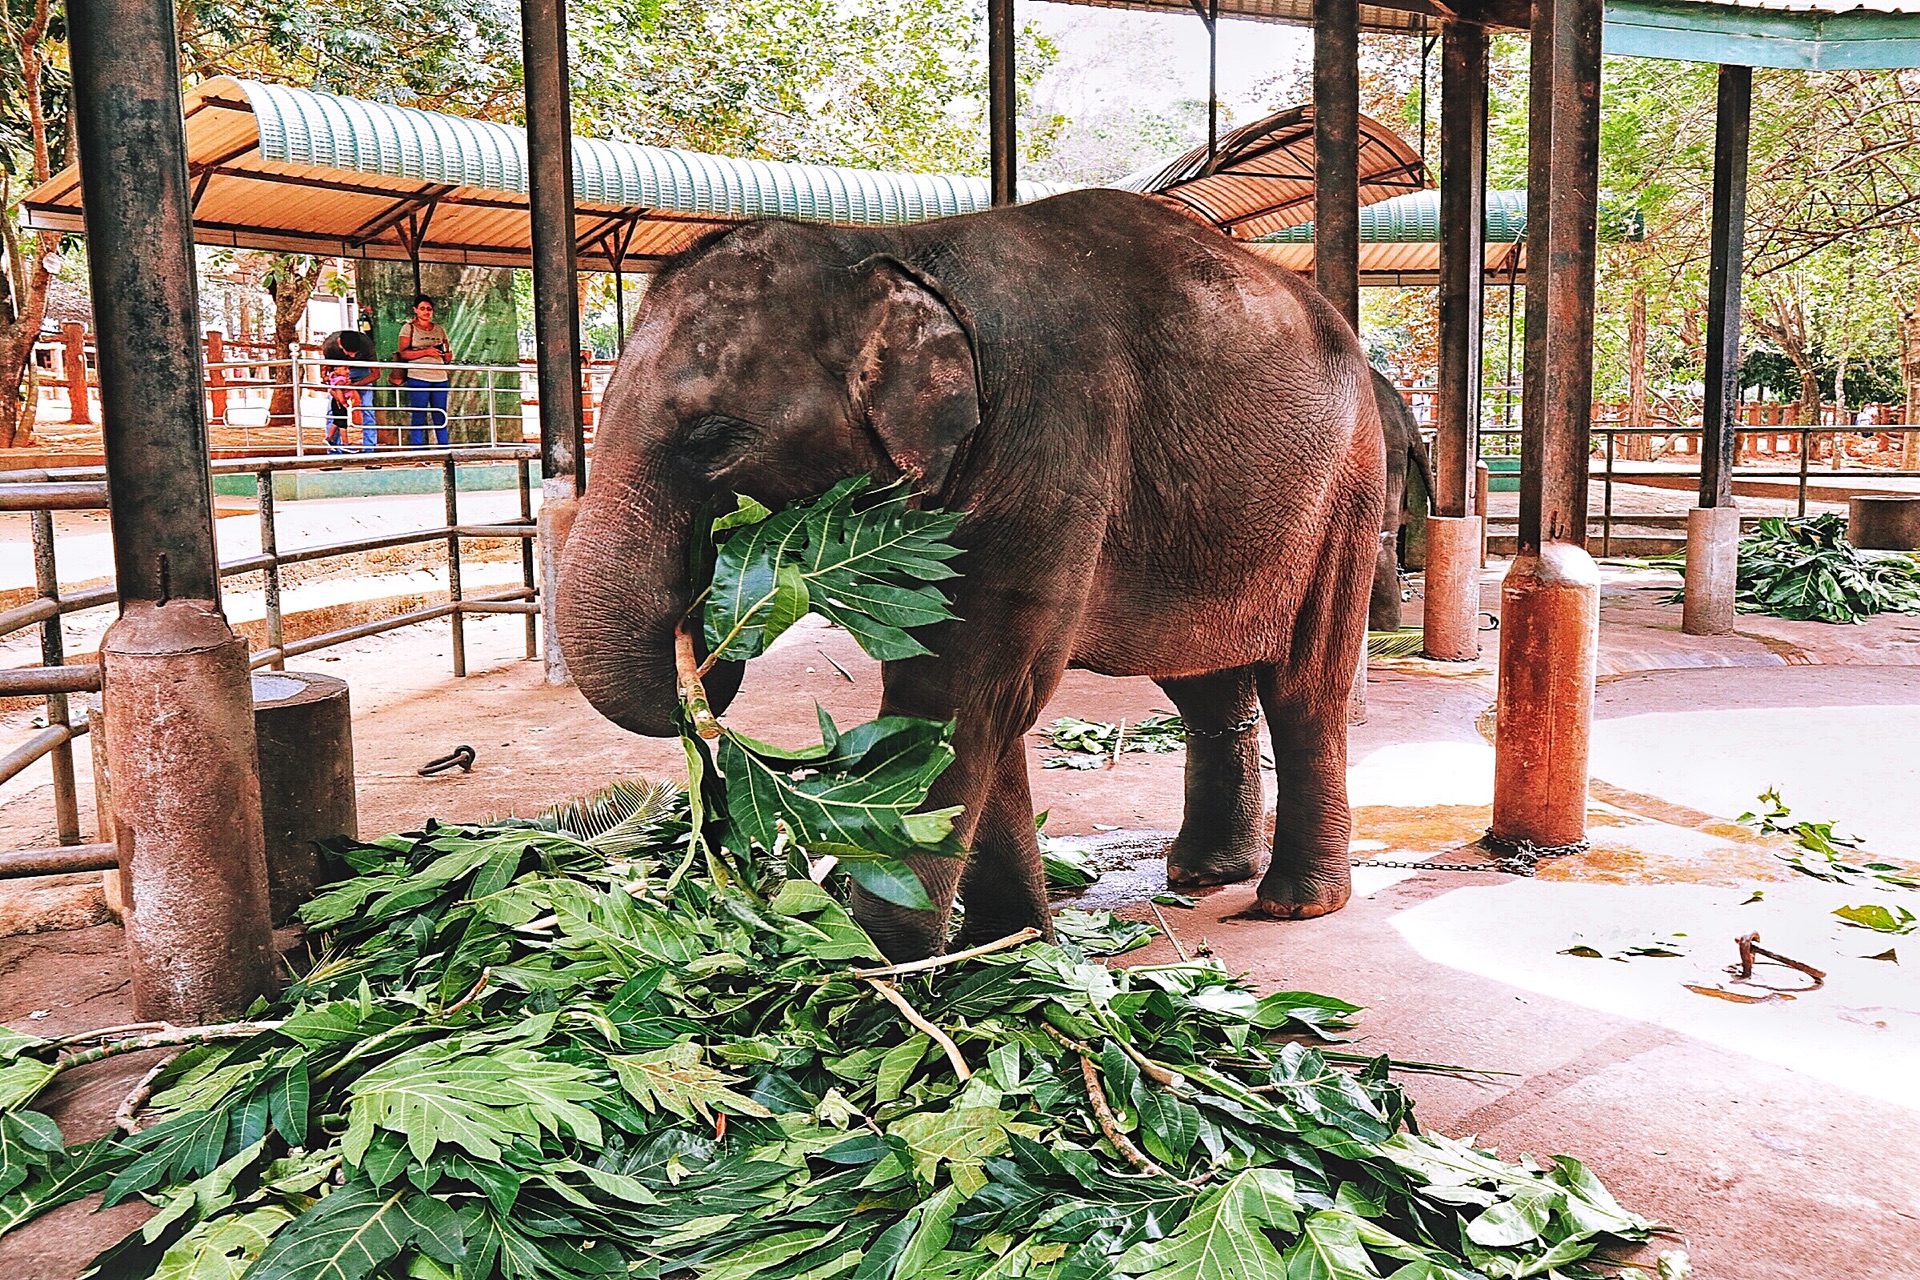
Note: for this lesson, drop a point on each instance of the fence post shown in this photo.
(1606, 502)
(217, 376)
(450, 485)
(270, 546)
(526, 560)
(293, 376)
(73, 364)
(53, 654)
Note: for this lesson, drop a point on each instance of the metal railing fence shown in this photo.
(1604, 460)
(40, 493)
(483, 404)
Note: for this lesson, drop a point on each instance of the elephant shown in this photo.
(1406, 454)
(1169, 465)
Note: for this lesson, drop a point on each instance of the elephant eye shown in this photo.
(715, 434)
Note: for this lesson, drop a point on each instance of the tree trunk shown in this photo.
(291, 288)
(25, 293)
(1637, 448)
(1910, 380)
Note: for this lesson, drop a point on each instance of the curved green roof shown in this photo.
(1415, 219)
(306, 127)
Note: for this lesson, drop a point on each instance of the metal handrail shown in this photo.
(1800, 472)
(42, 491)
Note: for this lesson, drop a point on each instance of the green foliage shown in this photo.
(1093, 742)
(870, 562)
(1804, 568)
(543, 1060)
(1822, 852)
(1880, 919)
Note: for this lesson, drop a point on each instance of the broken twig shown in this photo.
(912, 1015)
(1749, 944)
(952, 957)
(126, 1118)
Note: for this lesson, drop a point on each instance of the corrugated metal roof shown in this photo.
(1259, 177)
(1415, 219)
(1399, 262)
(323, 130)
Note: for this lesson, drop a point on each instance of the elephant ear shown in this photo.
(912, 379)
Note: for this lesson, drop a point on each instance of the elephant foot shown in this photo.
(1302, 897)
(1189, 868)
(978, 934)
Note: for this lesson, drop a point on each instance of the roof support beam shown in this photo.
(1002, 140)
(1463, 255)
(1336, 154)
(556, 288)
(178, 702)
(1550, 598)
(1725, 258)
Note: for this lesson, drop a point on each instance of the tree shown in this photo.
(33, 125)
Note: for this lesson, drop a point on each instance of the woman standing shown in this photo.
(425, 352)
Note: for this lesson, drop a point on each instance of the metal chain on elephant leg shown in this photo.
(1510, 857)
(1234, 730)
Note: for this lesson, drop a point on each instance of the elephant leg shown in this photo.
(1383, 611)
(1305, 700)
(1004, 886)
(1220, 840)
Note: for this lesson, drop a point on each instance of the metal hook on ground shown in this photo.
(1491, 622)
(461, 758)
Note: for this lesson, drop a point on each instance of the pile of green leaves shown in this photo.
(524, 1052)
(1805, 569)
(1093, 742)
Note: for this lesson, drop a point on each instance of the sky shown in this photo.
(1249, 51)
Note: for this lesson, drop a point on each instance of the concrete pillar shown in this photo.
(73, 368)
(186, 811)
(1713, 545)
(559, 504)
(1450, 612)
(1482, 485)
(1884, 522)
(1549, 638)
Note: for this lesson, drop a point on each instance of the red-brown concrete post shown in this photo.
(216, 376)
(73, 364)
(177, 699)
(1549, 618)
(1550, 603)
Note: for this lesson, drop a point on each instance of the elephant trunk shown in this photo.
(623, 588)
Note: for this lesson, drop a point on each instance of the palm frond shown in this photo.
(620, 818)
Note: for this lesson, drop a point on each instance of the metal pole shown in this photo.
(1563, 189)
(1213, 80)
(619, 312)
(178, 702)
(1463, 255)
(1550, 597)
(450, 487)
(1336, 155)
(556, 284)
(270, 546)
(526, 558)
(1002, 104)
(46, 574)
(1730, 131)
(556, 293)
(1606, 504)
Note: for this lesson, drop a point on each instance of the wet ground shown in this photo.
(1773, 1133)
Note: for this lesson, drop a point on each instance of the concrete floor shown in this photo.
(1773, 1136)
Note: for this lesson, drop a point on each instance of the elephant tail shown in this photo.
(1417, 460)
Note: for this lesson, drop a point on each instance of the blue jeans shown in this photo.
(339, 416)
(427, 399)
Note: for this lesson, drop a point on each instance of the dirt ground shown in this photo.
(1770, 1136)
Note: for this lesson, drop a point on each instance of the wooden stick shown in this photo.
(473, 992)
(124, 1118)
(1152, 1070)
(893, 997)
(952, 957)
(1749, 944)
(1168, 930)
(693, 694)
(108, 1033)
(1097, 1095)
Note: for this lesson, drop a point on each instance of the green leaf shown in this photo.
(850, 796)
(222, 1248)
(21, 1079)
(1224, 1238)
(352, 1232)
(1329, 1248)
(479, 1100)
(961, 1137)
(746, 512)
(1878, 918)
(747, 585)
(678, 1081)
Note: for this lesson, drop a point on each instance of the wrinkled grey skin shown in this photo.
(1170, 462)
(1405, 450)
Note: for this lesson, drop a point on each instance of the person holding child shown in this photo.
(426, 353)
(350, 389)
